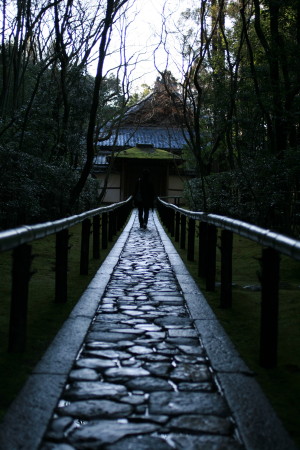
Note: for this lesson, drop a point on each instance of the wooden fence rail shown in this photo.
(273, 244)
(105, 221)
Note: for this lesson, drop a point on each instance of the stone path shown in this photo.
(142, 379)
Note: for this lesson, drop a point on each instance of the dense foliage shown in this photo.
(241, 97)
(33, 190)
(240, 103)
(51, 109)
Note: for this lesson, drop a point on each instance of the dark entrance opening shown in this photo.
(132, 170)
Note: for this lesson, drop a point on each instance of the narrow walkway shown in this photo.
(155, 370)
(142, 372)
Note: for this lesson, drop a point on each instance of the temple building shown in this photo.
(150, 136)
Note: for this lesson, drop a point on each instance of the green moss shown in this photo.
(146, 153)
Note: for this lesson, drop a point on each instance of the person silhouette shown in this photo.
(144, 197)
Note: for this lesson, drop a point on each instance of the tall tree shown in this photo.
(240, 86)
(49, 104)
(202, 50)
(113, 8)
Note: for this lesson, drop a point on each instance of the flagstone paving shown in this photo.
(142, 379)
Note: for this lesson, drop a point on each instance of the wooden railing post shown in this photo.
(182, 231)
(85, 247)
(164, 216)
(61, 266)
(177, 226)
(104, 231)
(96, 237)
(114, 222)
(202, 263)
(226, 269)
(158, 208)
(172, 224)
(191, 240)
(167, 219)
(270, 265)
(211, 257)
(120, 217)
(19, 298)
(111, 225)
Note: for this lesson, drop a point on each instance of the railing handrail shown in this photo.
(12, 238)
(283, 244)
(171, 196)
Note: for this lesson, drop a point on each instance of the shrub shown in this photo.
(262, 191)
(32, 190)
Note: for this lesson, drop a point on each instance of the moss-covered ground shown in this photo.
(45, 317)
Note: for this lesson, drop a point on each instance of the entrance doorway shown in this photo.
(132, 170)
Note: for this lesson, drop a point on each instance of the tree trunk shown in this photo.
(112, 8)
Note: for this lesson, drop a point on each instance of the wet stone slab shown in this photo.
(204, 442)
(95, 363)
(154, 357)
(135, 313)
(58, 427)
(130, 331)
(109, 354)
(179, 340)
(96, 344)
(191, 372)
(91, 409)
(174, 403)
(157, 335)
(170, 322)
(108, 325)
(159, 369)
(109, 337)
(192, 349)
(134, 399)
(190, 359)
(125, 372)
(172, 310)
(107, 432)
(148, 327)
(52, 446)
(185, 333)
(140, 350)
(200, 423)
(84, 374)
(196, 387)
(109, 318)
(142, 379)
(88, 390)
(149, 384)
(141, 443)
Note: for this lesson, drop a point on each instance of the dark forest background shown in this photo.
(237, 92)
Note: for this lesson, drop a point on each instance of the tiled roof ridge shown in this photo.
(158, 137)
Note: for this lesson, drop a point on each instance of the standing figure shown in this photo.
(144, 197)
